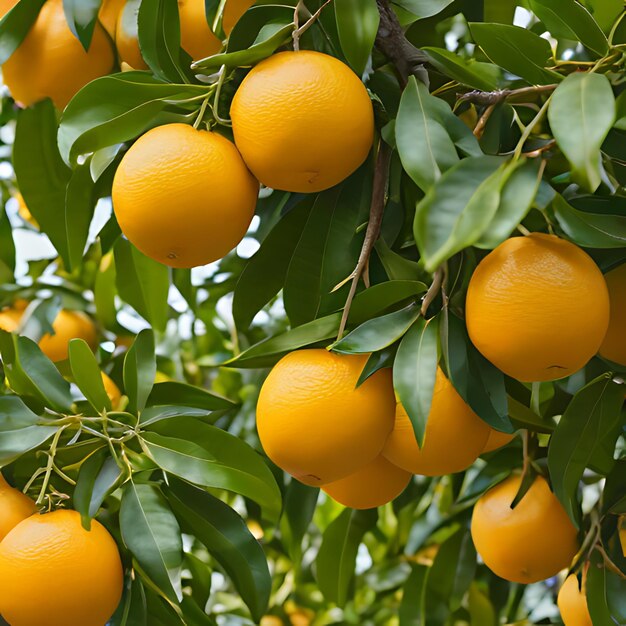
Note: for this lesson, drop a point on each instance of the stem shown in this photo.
(486, 98)
(615, 27)
(522, 229)
(482, 122)
(300, 30)
(216, 100)
(377, 210)
(608, 562)
(529, 129)
(433, 290)
(50, 465)
(203, 107)
(525, 451)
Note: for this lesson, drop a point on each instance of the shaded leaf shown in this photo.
(357, 25)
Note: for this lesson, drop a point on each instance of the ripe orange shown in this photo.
(183, 196)
(497, 440)
(10, 319)
(572, 603)
(14, 507)
(372, 486)
(271, 620)
(51, 62)
(303, 121)
(455, 435)
(51, 556)
(613, 347)
(529, 543)
(233, 11)
(315, 423)
(68, 325)
(6, 6)
(109, 14)
(195, 35)
(537, 307)
(115, 395)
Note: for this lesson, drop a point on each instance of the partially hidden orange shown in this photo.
(497, 440)
(315, 423)
(14, 507)
(184, 197)
(613, 346)
(68, 325)
(537, 307)
(303, 121)
(455, 435)
(233, 11)
(572, 602)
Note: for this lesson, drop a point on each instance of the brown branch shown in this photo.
(377, 210)
(392, 42)
(433, 290)
(488, 98)
(479, 129)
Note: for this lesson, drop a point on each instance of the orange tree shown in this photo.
(347, 345)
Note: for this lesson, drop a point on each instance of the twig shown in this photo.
(529, 129)
(539, 151)
(482, 122)
(377, 210)
(608, 562)
(392, 42)
(300, 30)
(487, 98)
(433, 291)
(526, 453)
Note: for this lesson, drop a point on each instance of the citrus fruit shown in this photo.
(233, 11)
(271, 620)
(6, 6)
(371, 486)
(109, 15)
(455, 435)
(51, 556)
(303, 121)
(183, 196)
(497, 440)
(529, 543)
(52, 63)
(613, 346)
(68, 325)
(115, 395)
(572, 603)
(537, 307)
(24, 212)
(315, 423)
(10, 319)
(14, 507)
(196, 37)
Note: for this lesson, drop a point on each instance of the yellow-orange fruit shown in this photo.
(24, 212)
(497, 440)
(68, 325)
(183, 196)
(10, 319)
(455, 435)
(537, 307)
(52, 63)
(51, 556)
(271, 620)
(315, 423)
(126, 38)
(109, 15)
(14, 507)
(233, 11)
(303, 121)
(6, 6)
(572, 603)
(372, 486)
(115, 395)
(529, 543)
(613, 346)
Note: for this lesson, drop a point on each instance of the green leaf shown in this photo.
(228, 540)
(481, 610)
(585, 436)
(41, 174)
(80, 204)
(140, 370)
(581, 114)
(264, 274)
(423, 8)
(105, 291)
(381, 297)
(501, 11)
(456, 211)
(396, 266)
(591, 230)
(300, 502)
(476, 74)
(142, 283)
(19, 430)
(210, 457)
(427, 135)
(81, 17)
(97, 477)
(414, 372)
(87, 375)
(7, 248)
(152, 534)
(413, 606)
(567, 19)
(173, 392)
(132, 610)
(517, 50)
(154, 414)
(378, 333)
(604, 590)
(114, 109)
(15, 25)
(516, 199)
(357, 25)
(336, 558)
(604, 12)
(158, 23)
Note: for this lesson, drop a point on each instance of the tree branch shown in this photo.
(392, 42)
(488, 98)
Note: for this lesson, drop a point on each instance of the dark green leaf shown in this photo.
(82, 16)
(97, 477)
(7, 248)
(173, 392)
(15, 25)
(423, 8)
(469, 72)
(80, 204)
(600, 589)
(87, 375)
(105, 292)
(413, 606)
(132, 610)
(357, 25)
(383, 296)
(140, 370)
(300, 503)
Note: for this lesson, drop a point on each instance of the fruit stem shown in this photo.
(479, 129)
(529, 129)
(300, 30)
(608, 562)
(50, 465)
(202, 111)
(433, 290)
(216, 101)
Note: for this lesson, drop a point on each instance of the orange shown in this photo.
(109, 14)
(115, 395)
(14, 507)
(6, 6)
(613, 347)
(529, 543)
(68, 325)
(271, 620)
(233, 11)
(315, 423)
(195, 35)
(497, 440)
(52, 63)
(51, 556)
(537, 307)
(183, 196)
(455, 435)
(303, 121)
(372, 486)
(572, 603)
(24, 212)
(10, 319)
